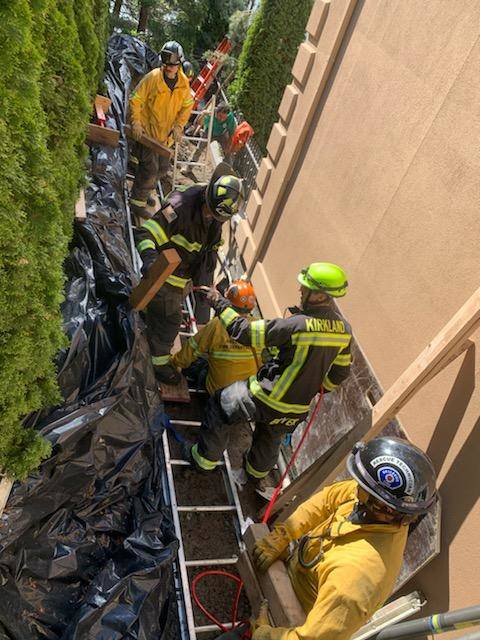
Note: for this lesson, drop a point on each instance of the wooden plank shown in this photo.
(102, 135)
(175, 392)
(5, 488)
(103, 102)
(163, 267)
(285, 609)
(151, 143)
(80, 208)
(448, 344)
(250, 583)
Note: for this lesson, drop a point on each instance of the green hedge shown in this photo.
(51, 55)
(265, 64)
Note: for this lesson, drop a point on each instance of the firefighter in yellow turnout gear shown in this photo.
(160, 108)
(351, 538)
(228, 360)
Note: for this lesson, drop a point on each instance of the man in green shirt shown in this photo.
(223, 128)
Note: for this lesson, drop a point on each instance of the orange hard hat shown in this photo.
(242, 295)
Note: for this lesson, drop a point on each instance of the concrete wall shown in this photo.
(375, 164)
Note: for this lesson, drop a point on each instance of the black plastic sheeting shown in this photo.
(86, 543)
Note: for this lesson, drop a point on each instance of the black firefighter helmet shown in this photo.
(224, 195)
(397, 473)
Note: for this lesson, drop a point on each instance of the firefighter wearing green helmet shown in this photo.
(312, 349)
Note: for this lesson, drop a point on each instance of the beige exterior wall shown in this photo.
(375, 165)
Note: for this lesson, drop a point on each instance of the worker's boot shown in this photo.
(263, 486)
(187, 455)
(166, 374)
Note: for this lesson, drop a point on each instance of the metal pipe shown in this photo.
(210, 508)
(214, 562)
(437, 623)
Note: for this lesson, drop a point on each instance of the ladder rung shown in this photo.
(207, 508)
(192, 164)
(184, 463)
(195, 138)
(197, 390)
(186, 423)
(211, 563)
(213, 627)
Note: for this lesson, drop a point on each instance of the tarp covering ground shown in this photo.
(86, 543)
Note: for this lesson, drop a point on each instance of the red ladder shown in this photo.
(202, 82)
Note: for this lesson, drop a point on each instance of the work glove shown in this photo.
(212, 295)
(270, 548)
(137, 131)
(177, 133)
(262, 617)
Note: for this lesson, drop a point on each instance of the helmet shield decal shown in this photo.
(394, 473)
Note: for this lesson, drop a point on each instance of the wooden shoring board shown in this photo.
(5, 488)
(447, 345)
(284, 607)
(151, 143)
(80, 207)
(175, 392)
(102, 135)
(164, 266)
(103, 102)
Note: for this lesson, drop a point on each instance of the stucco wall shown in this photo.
(375, 165)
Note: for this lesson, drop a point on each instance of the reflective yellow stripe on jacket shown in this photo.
(283, 407)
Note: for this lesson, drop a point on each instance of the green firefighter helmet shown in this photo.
(224, 194)
(326, 277)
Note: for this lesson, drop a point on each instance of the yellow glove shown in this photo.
(137, 131)
(177, 133)
(270, 548)
(261, 621)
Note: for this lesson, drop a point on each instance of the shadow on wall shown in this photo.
(459, 488)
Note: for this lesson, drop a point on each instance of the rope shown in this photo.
(278, 488)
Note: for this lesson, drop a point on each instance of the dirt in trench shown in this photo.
(217, 595)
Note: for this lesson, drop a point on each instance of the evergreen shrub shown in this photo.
(50, 60)
(266, 60)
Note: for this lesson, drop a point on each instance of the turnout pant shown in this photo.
(151, 167)
(234, 404)
(163, 319)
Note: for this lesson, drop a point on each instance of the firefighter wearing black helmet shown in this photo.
(160, 107)
(350, 538)
(190, 220)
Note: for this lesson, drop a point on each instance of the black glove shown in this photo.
(148, 258)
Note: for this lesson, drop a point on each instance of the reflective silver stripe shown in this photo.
(282, 407)
(228, 316)
(159, 361)
(176, 281)
(257, 331)
(183, 242)
(319, 339)
(231, 355)
(203, 463)
(156, 230)
(145, 244)
(290, 373)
